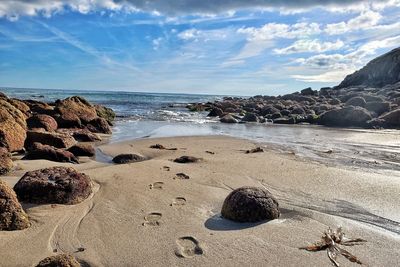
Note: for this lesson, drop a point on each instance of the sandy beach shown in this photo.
(143, 214)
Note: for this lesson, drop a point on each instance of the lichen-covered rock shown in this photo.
(20, 105)
(128, 158)
(55, 139)
(39, 107)
(106, 113)
(82, 150)
(39, 151)
(12, 216)
(12, 127)
(55, 185)
(62, 260)
(77, 106)
(99, 125)
(250, 204)
(42, 121)
(81, 135)
(6, 163)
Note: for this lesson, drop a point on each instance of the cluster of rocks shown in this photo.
(368, 98)
(50, 131)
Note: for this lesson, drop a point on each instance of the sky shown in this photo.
(226, 47)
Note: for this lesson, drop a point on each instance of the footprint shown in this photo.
(181, 176)
(152, 219)
(188, 247)
(156, 185)
(179, 201)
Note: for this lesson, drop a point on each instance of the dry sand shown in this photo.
(138, 215)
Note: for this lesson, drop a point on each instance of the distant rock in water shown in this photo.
(379, 72)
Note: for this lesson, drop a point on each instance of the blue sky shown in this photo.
(214, 47)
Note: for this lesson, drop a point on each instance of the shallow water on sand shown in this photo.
(376, 150)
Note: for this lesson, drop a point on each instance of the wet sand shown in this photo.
(143, 214)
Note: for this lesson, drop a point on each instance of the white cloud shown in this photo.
(314, 46)
(203, 35)
(326, 77)
(364, 21)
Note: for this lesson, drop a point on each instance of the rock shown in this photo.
(298, 98)
(298, 111)
(99, 125)
(82, 150)
(106, 113)
(21, 106)
(285, 112)
(12, 216)
(379, 72)
(6, 163)
(285, 120)
(307, 91)
(128, 158)
(55, 185)
(55, 139)
(255, 150)
(391, 119)
(250, 204)
(62, 260)
(186, 159)
(378, 107)
(250, 117)
(42, 121)
(12, 127)
(228, 119)
(215, 112)
(268, 110)
(39, 151)
(75, 107)
(347, 116)
(81, 135)
(356, 101)
(39, 107)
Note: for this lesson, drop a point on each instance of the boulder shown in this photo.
(250, 204)
(55, 185)
(39, 151)
(228, 119)
(250, 117)
(82, 150)
(356, 101)
(307, 91)
(128, 158)
(80, 135)
(268, 110)
(347, 116)
(99, 125)
(186, 159)
(42, 121)
(12, 216)
(215, 112)
(378, 107)
(106, 113)
(20, 105)
(39, 107)
(62, 260)
(6, 163)
(75, 107)
(55, 139)
(298, 111)
(285, 120)
(391, 119)
(12, 127)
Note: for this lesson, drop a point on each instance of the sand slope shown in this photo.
(141, 214)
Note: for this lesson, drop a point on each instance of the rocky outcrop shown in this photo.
(106, 113)
(379, 72)
(99, 125)
(12, 216)
(42, 121)
(74, 112)
(6, 163)
(250, 204)
(391, 119)
(58, 140)
(62, 260)
(56, 185)
(12, 127)
(347, 116)
(39, 151)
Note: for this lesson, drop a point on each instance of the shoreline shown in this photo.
(109, 224)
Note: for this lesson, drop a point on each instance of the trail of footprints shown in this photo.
(187, 246)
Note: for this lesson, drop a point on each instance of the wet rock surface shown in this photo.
(250, 204)
(56, 185)
(128, 158)
(40, 151)
(59, 140)
(82, 150)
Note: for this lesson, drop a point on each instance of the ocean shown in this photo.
(147, 115)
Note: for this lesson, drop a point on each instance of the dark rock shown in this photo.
(58, 140)
(356, 101)
(106, 113)
(42, 121)
(268, 110)
(377, 73)
(298, 111)
(307, 91)
(255, 150)
(228, 119)
(12, 127)
(334, 101)
(378, 107)
(62, 260)
(128, 158)
(391, 119)
(250, 117)
(347, 116)
(186, 159)
(82, 150)
(215, 112)
(250, 204)
(56, 185)
(99, 125)
(276, 115)
(12, 216)
(39, 107)
(39, 151)
(81, 135)
(285, 120)
(6, 163)
(285, 112)
(75, 107)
